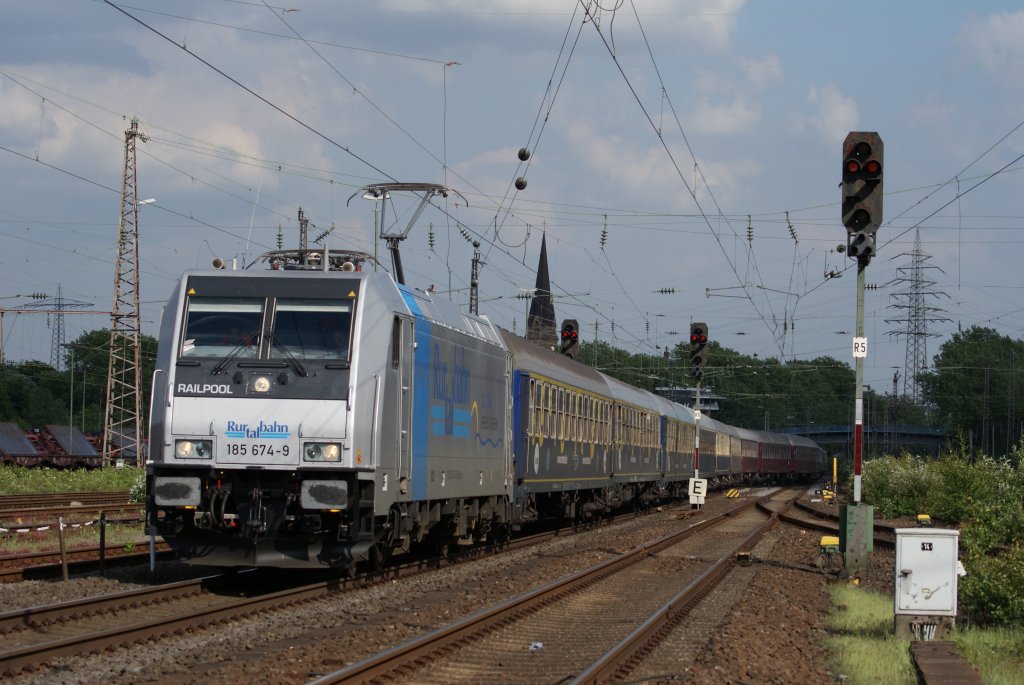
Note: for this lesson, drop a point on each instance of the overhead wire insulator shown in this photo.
(604, 232)
(431, 241)
(750, 230)
(465, 234)
(666, 291)
(792, 231)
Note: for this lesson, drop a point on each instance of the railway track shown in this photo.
(111, 621)
(13, 519)
(24, 513)
(36, 636)
(44, 565)
(575, 623)
(815, 519)
(62, 499)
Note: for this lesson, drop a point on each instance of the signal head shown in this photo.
(862, 182)
(570, 338)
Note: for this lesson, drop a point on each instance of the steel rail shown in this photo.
(394, 663)
(631, 650)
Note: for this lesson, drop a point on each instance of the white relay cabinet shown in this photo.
(927, 570)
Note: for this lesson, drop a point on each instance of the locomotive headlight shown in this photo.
(261, 384)
(193, 449)
(321, 451)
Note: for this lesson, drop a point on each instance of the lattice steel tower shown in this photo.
(121, 428)
(912, 299)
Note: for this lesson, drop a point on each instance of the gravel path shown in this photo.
(777, 636)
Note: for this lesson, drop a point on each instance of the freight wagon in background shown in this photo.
(52, 446)
(319, 415)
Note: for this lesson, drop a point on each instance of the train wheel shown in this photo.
(380, 554)
(445, 547)
(500, 534)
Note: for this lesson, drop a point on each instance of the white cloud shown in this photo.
(933, 114)
(831, 114)
(725, 117)
(647, 173)
(761, 73)
(995, 40)
(705, 24)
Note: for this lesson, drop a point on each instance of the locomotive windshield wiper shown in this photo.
(248, 339)
(295, 363)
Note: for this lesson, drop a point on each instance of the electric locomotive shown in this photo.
(316, 417)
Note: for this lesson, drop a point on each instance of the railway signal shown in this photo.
(698, 349)
(570, 341)
(862, 192)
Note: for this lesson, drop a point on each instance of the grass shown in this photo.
(18, 480)
(864, 649)
(83, 536)
(997, 653)
(862, 645)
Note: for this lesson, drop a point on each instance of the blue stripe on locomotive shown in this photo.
(420, 401)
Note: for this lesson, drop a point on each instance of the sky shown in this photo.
(685, 158)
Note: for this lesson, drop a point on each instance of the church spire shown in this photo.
(540, 324)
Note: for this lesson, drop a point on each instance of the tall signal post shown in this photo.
(862, 216)
(698, 358)
(121, 426)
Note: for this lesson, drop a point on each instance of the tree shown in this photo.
(976, 386)
(33, 393)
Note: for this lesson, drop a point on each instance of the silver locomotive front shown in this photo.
(256, 457)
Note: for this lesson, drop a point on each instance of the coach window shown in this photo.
(531, 420)
(542, 409)
(606, 419)
(575, 433)
(591, 420)
(220, 326)
(311, 329)
(550, 405)
(563, 405)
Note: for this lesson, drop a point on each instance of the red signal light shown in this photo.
(873, 166)
(852, 166)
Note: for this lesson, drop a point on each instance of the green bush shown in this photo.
(980, 496)
(991, 593)
(898, 486)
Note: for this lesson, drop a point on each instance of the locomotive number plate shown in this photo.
(256, 449)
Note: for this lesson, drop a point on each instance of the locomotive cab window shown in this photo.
(311, 329)
(219, 326)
